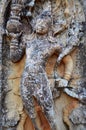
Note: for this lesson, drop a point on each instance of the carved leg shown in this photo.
(50, 115)
(28, 101)
(45, 99)
(30, 108)
(31, 112)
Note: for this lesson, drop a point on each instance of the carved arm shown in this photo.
(65, 52)
(75, 33)
(68, 61)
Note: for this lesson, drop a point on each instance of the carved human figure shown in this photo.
(34, 82)
(39, 46)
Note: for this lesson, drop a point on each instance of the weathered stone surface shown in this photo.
(78, 116)
(70, 103)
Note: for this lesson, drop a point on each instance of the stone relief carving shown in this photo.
(40, 29)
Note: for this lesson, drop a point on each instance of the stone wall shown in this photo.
(69, 102)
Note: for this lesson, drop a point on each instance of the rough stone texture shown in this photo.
(78, 116)
(70, 103)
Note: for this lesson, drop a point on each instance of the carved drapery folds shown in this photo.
(42, 35)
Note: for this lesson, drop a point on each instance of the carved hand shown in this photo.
(62, 82)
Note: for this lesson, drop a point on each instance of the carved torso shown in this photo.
(34, 79)
(40, 49)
